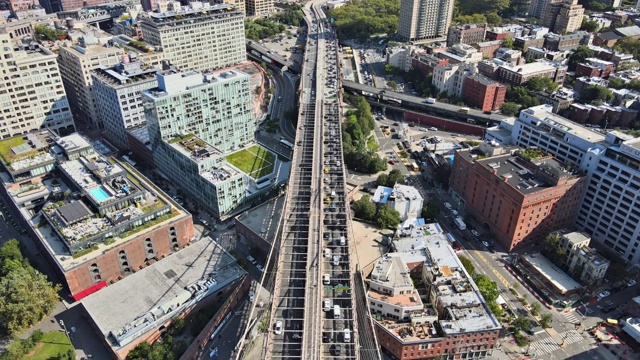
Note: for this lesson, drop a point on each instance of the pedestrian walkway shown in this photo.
(549, 345)
(572, 317)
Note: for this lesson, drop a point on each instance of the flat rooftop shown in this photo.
(551, 273)
(403, 300)
(26, 151)
(543, 114)
(152, 291)
(194, 147)
(530, 68)
(263, 219)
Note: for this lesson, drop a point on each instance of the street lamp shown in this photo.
(64, 328)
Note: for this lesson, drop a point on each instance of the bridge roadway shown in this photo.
(313, 261)
(411, 102)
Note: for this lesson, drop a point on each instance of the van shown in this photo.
(336, 260)
(327, 304)
(343, 241)
(336, 311)
(326, 279)
(327, 253)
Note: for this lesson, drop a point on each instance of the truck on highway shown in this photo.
(268, 60)
(460, 224)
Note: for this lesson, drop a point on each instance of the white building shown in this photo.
(400, 57)
(610, 208)
(405, 199)
(424, 19)
(200, 37)
(450, 78)
(583, 263)
(461, 54)
(32, 96)
(391, 292)
(118, 93)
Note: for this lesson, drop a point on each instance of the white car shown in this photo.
(454, 212)
(475, 233)
(347, 335)
(260, 267)
(278, 329)
(213, 353)
(448, 206)
(604, 294)
(251, 295)
(336, 260)
(486, 244)
(631, 283)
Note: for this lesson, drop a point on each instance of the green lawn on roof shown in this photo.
(255, 161)
(6, 146)
(52, 346)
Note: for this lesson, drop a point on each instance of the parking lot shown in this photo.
(289, 44)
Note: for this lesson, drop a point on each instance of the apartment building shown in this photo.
(537, 8)
(461, 54)
(424, 20)
(482, 92)
(194, 122)
(429, 322)
(593, 67)
(466, 34)
(582, 262)
(488, 48)
(400, 57)
(520, 196)
(406, 200)
(118, 93)
(94, 222)
(426, 63)
(259, 8)
(450, 78)
(32, 96)
(519, 74)
(92, 50)
(562, 16)
(200, 37)
(610, 209)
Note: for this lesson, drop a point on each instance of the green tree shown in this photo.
(628, 45)
(509, 109)
(494, 19)
(388, 217)
(391, 70)
(468, 265)
(364, 208)
(589, 26)
(488, 288)
(292, 15)
(579, 55)
(529, 101)
(382, 179)
(595, 94)
(540, 83)
(508, 43)
(521, 323)
(535, 308)
(395, 176)
(616, 83)
(431, 209)
(546, 320)
(393, 85)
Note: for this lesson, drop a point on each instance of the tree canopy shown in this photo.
(431, 209)
(579, 55)
(589, 25)
(262, 28)
(364, 208)
(362, 19)
(509, 109)
(292, 15)
(26, 295)
(355, 131)
(468, 265)
(388, 217)
(628, 45)
(595, 94)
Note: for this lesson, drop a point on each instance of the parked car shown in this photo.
(604, 294)
(486, 244)
(278, 329)
(475, 233)
(631, 283)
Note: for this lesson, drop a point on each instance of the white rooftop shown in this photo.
(552, 273)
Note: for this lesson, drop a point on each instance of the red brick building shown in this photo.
(488, 48)
(483, 92)
(518, 200)
(425, 63)
(491, 35)
(595, 68)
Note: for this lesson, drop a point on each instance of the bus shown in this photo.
(286, 144)
(414, 166)
(464, 110)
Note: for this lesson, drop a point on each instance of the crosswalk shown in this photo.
(548, 345)
(572, 317)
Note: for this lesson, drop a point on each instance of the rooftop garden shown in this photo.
(255, 161)
(140, 45)
(181, 138)
(533, 154)
(7, 155)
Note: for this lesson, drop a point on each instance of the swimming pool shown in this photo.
(99, 194)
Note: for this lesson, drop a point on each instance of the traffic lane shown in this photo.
(273, 144)
(229, 335)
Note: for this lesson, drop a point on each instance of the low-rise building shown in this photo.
(548, 274)
(461, 54)
(450, 78)
(582, 82)
(400, 57)
(520, 196)
(555, 42)
(427, 62)
(488, 48)
(259, 8)
(466, 34)
(534, 53)
(406, 200)
(559, 100)
(433, 324)
(593, 67)
(483, 92)
(607, 39)
(518, 75)
(525, 42)
(510, 56)
(94, 220)
(583, 263)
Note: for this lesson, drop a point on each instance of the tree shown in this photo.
(392, 84)
(508, 43)
(582, 52)
(388, 217)
(509, 109)
(468, 265)
(535, 308)
(431, 209)
(382, 179)
(628, 45)
(595, 94)
(540, 83)
(546, 320)
(529, 101)
(596, 6)
(488, 288)
(616, 83)
(364, 208)
(521, 323)
(494, 19)
(589, 25)
(390, 69)
(395, 176)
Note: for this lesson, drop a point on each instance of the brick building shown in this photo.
(518, 75)
(483, 92)
(488, 48)
(466, 34)
(593, 67)
(519, 200)
(425, 63)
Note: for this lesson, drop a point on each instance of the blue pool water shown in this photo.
(99, 194)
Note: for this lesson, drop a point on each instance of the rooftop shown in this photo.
(391, 271)
(164, 290)
(172, 81)
(531, 68)
(552, 273)
(628, 31)
(125, 74)
(196, 11)
(194, 147)
(543, 114)
(26, 151)
(260, 218)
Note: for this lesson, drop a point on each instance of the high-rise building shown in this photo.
(536, 8)
(32, 95)
(261, 8)
(92, 51)
(201, 37)
(118, 93)
(193, 121)
(562, 16)
(54, 6)
(520, 196)
(424, 19)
